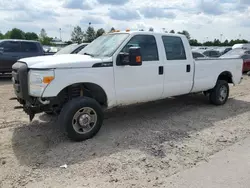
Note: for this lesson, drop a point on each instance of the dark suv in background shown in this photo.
(12, 50)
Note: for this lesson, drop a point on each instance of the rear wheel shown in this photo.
(81, 118)
(219, 94)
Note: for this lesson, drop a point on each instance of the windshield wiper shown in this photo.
(85, 53)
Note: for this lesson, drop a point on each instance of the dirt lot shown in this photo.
(137, 146)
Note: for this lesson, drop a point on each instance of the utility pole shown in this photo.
(60, 30)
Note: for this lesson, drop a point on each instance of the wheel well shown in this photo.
(83, 89)
(227, 76)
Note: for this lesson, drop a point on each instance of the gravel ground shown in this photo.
(138, 146)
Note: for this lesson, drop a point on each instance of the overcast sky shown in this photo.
(202, 18)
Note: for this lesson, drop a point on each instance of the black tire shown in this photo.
(70, 109)
(50, 113)
(215, 95)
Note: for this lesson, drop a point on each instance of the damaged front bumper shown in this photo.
(31, 105)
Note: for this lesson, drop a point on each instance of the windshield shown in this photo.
(104, 45)
(67, 49)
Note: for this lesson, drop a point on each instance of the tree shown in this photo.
(77, 35)
(194, 42)
(151, 29)
(31, 36)
(68, 42)
(226, 43)
(1, 35)
(112, 29)
(216, 42)
(16, 34)
(43, 34)
(186, 33)
(172, 31)
(99, 32)
(90, 34)
(43, 38)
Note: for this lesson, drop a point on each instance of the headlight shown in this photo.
(38, 81)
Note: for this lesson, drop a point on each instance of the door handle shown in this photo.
(188, 69)
(161, 70)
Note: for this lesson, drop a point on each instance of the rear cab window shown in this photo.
(29, 47)
(174, 48)
(148, 45)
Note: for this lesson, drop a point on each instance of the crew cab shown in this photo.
(117, 69)
(12, 49)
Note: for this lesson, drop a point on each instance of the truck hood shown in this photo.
(61, 61)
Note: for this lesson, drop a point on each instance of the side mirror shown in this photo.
(133, 58)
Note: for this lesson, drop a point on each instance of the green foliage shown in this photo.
(44, 39)
(90, 34)
(43, 34)
(217, 42)
(99, 32)
(186, 33)
(31, 36)
(1, 35)
(112, 29)
(194, 42)
(16, 34)
(69, 42)
(77, 35)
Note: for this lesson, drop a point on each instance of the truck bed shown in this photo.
(206, 71)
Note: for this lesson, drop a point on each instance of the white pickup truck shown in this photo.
(118, 69)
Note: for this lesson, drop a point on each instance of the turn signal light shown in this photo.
(138, 59)
(48, 79)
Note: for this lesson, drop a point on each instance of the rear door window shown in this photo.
(174, 48)
(29, 47)
(11, 46)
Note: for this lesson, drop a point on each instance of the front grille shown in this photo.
(20, 79)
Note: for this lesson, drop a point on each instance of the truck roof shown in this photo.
(148, 33)
(18, 40)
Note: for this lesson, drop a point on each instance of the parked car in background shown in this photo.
(72, 49)
(11, 50)
(235, 53)
(240, 53)
(225, 50)
(212, 53)
(198, 55)
(242, 46)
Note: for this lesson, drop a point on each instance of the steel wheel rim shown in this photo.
(223, 93)
(84, 120)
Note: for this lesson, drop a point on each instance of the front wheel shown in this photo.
(219, 94)
(81, 118)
